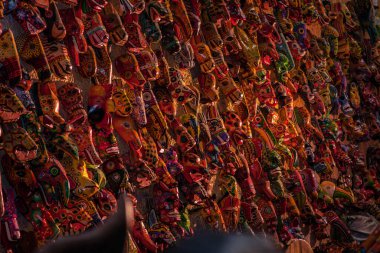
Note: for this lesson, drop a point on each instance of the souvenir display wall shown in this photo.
(258, 117)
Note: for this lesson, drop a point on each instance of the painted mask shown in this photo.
(112, 22)
(297, 52)
(121, 103)
(148, 64)
(94, 30)
(75, 40)
(29, 19)
(177, 87)
(19, 145)
(55, 28)
(58, 57)
(11, 108)
(207, 83)
(230, 90)
(266, 94)
(165, 102)
(204, 58)
(106, 203)
(183, 139)
(212, 36)
(128, 68)
(134, 6)
(185, 58)
(167, 204)
(9, 57)
(49, 103)
(234, 125)
(194, 171)
(136, 40)
(150, 29)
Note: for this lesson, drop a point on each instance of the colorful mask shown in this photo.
(266, 94)
(185, 58)
(181, 20)
(32, 52)
(87, 63)
(129, 70)
(112, 22)
(19, 145)
(71, 98)
(177, 87)
(55, 28)
(29, 18)
(94, 30)
(212, 36)
(103, 66)
(75, 39)
(203, 55)
(148, 64)
(58, 57)
(230, 90)
(207, 83)
(136, 40)
(11, 108)
(9, 57)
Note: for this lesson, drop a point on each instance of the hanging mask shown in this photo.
(218, 12)
(75, 40)
(204, 58)
(11, 108)
(207, 83)
(181, 20)
(103, 66)
(106, 203)
(177, 87)
(230, 41)
(297, 52)
(221, 68)
(167, 204)
(185, 58)
(354, 95)
(136, 40)
(49, 103)
(235, 11)
(18, 145)
(183, 139)
(315, 78)
(194, 171)
(29, 18)
(266, 94)
(94, 30)
(55, 28)
(58, 57)
(230, 90)
(212, 36)
(127, 129)
(325, 96)
(114, 26)
(9, 58)
(129, 70)
(32, 52)
(133, 6)
(310, 13)
(149, 28)
(87, 63)
(115, 172)
(170, 41)
(148, 64)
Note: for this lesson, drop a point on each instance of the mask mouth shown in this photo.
(31, 28)
(24, 155)
(8, 116)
